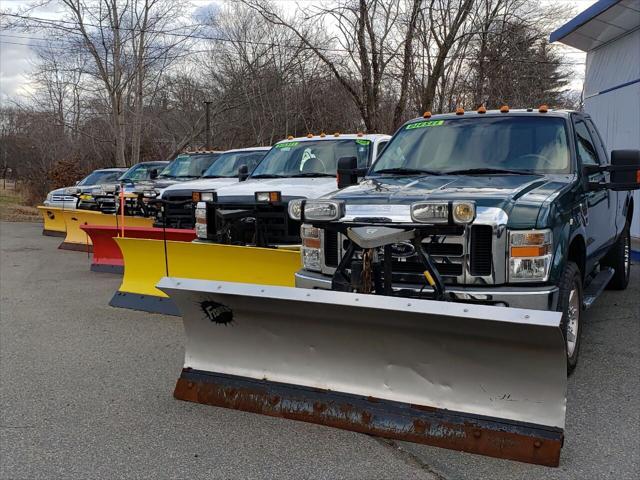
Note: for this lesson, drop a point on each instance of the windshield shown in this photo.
(142, 171)
(516, 143)
(227, 164)
(189, 166)
(312, 158)
(100, 177)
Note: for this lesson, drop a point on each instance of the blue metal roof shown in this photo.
(582, 18)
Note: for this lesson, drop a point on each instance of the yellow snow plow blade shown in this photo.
(145, 265)
(477, 378)
(76, 239)
(53, 221)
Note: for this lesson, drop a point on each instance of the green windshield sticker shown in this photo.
(428, 123)
(287, 144)
(363, 142)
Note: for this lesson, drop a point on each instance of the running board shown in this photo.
(597, 286)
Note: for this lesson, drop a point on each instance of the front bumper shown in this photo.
(535, 298)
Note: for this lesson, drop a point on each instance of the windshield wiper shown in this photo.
(166, 175)
(481, 171)
(312, 174)
(407, 171)
(267, 175)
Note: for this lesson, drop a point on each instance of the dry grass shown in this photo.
(13, 208)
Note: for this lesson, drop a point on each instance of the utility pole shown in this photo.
(208, 124)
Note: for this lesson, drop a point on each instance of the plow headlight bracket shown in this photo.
(430, 212)
(310, 250)
(201, 220)
(268, 197)
(530, 255)
(323, 210)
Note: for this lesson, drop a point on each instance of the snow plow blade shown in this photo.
(145, 264)
(480, 379)
(53, 221)
(76, 239)
(107, 256)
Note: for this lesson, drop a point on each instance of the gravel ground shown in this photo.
(85, 392)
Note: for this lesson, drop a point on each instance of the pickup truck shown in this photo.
(254, 212)
(102, 196)
(515, 208)
(140, 194)
(230, 167)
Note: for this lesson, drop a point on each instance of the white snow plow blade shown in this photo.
(482, 379)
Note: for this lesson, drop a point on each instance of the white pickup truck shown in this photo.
(230, 167)
(254, 212)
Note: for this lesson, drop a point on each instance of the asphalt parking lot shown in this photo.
(86, 392)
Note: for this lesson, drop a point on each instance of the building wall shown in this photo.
(616, 112)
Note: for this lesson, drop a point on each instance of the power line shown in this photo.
(299, 46)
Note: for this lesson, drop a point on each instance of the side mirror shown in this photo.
(243, 173)
(153, 174)
(77, 182)
(347, 171)
(625, 170)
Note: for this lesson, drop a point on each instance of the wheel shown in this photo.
(570, 304)
(619, 258)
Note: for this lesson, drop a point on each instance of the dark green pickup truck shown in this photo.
(520, 208)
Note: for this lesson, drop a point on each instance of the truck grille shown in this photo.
(179, 215)
(331, 253)
(63, 198)
(265, 225)
(447, 245)
(480, 258)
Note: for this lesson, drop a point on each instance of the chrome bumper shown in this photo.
(535, 298)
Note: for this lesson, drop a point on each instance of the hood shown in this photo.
(520, 196)
(158, 184)
(288, 187)
(202, 184)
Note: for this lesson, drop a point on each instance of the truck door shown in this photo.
(616, 217)
(595, 206)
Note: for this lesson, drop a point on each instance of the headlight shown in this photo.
(323, 210)
(268, 197)
(98, 191)
(150, 194)
(201, 231)
(49, 195)
(201, 221)
(208, 196)
(201, 213)
(310, 250)
(430, 212)
(71, 190)
(295, 209)
(463, 212)
(530, 255)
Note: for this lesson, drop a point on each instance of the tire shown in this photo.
(570, 304)
(619, 258)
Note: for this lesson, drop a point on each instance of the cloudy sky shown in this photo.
(16, 48)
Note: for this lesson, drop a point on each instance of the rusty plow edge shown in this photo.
(482, 435)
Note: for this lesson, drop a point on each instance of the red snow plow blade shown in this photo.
(107, 256)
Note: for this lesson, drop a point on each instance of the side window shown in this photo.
(584, 144)
(600, 146)
(381, 146)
